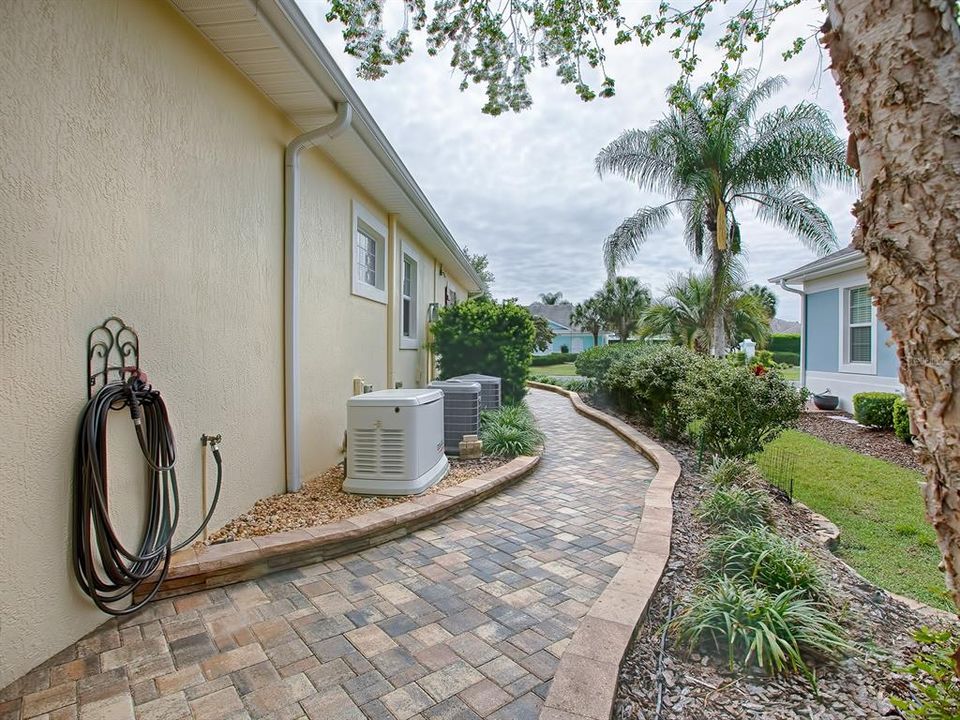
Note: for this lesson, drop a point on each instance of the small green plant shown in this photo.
(874, 409)
(754, 627)
(765, 559)
(725, 472)
(901, 420)
(510, 431)
(934, 686)
(735, 507)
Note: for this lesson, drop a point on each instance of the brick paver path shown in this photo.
(463, 620)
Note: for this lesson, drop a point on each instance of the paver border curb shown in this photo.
(585, 684)
(193, 569)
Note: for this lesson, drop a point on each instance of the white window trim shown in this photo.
(413, 341)
(857, 368)
(365, 220)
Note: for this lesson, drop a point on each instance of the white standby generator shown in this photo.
(395, 442)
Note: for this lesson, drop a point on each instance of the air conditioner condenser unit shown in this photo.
(395, 442)
(461, 411)
(489, 389)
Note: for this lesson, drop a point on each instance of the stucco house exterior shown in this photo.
(566, 334)
(844, 347)
(155, 167)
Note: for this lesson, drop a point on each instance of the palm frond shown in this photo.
(797, 214)
(622, 245)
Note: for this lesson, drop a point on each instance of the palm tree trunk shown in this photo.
(718, 268)
(898, 69)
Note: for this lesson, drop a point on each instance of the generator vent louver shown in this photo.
(377, 451)
(461, 412)
(489, 389)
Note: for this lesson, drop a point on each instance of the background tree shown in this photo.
(551, 298)
(711, 155)
(897, 66)
(544, 335)
(767, 298)
(482, 266)
(623, 301)
(589, 316)
(686, 313)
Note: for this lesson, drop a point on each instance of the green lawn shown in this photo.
(790, 373)
(563, 369)
(879, 510)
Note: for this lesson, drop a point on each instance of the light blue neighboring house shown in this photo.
(566, 335)
(843, 346)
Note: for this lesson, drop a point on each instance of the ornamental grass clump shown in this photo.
(764, 559)
(727, 472)
(735, 507)
(510, 431)
(753, 627)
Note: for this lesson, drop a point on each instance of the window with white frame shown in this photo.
(369, 255)
(858, 329)
(408, 301)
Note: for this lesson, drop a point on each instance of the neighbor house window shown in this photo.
(858, 329)
(369, 255)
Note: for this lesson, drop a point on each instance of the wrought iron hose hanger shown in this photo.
(107, 570)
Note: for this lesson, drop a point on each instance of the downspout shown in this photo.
(393, 319)
(291, 286)
(803, 329)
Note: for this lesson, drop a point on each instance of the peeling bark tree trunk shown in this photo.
(718, 340)
(897, 63)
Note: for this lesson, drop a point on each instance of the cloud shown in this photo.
(522, 187)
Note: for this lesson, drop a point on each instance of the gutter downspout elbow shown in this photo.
(291, 285)
(803, 328)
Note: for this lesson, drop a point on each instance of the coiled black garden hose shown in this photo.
(105, 568)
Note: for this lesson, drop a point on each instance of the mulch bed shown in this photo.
(882, 444)
(321, 500)
(688, 685)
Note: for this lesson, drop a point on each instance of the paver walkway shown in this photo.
(463, 620)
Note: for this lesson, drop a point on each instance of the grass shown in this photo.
(789, 373)
(879, 509)
(561, 370)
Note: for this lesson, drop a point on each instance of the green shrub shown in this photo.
(545, 379)
(649, 382)
(760, 357)
(552, 359)
(595, 361)
(786, 358)
(737, 410)
(901, 420)
(874, 409)
(727, 472)
(510, 431)
(735, 507)
(764, 559)
(785, 342)
(934, 686)
(580, 386)
(754, 627)
(483, 336)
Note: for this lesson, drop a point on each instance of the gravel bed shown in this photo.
(321, 500)
(882, 444)
(693, 686)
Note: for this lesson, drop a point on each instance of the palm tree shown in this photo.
(767, 298)
(551, 298)
(712, 155)
(687, 313)
(589, 316)
(623, 301)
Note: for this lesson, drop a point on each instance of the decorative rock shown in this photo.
(471, 447)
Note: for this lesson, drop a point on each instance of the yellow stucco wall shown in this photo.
(142, 175)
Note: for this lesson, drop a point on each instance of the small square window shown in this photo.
(369, 255)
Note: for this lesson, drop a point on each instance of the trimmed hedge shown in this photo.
(553, 359)
(874, 409)
(901, 420)
(784, 342)
(786, 358)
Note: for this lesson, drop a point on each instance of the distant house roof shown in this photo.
(848, 258)
(558, 314)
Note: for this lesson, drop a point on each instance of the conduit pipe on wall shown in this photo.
(803, 328)
(291, 285)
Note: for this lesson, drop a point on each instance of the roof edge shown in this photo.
(814, 270)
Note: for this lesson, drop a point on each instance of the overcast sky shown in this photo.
(521, 187)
